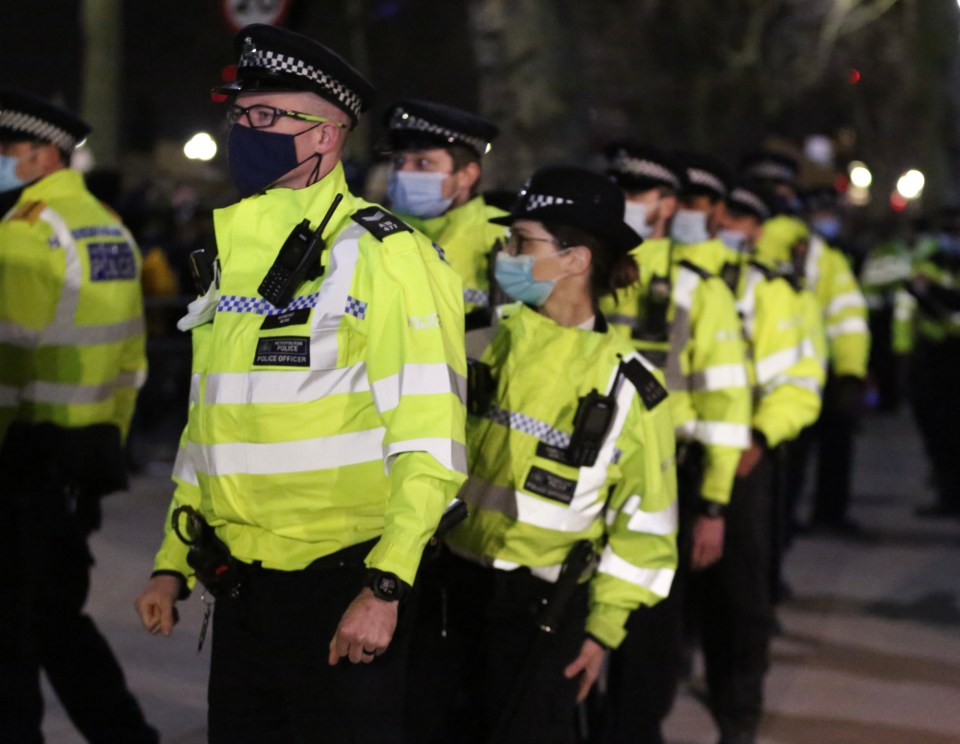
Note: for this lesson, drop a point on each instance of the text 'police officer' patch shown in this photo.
(111, 261)
(651, 392)
(549, 452)
(288, 318)
(379, 222)
(545, 483)
(283, 351)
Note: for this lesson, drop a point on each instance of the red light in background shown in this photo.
(854, 76)
(229, 73)
(897, 202)
(841, 183)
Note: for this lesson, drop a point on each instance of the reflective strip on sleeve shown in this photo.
(183, 468)
(72, 335)
(135, 379)
(66, 393)
(264, 386)
(630, 321)
(476, 296)
(718, 377)
(452, 455)
(844, 301)
(9, 395)
(663, 522)
(301, 456)
(847, 326)
(722, 433)
(657, 580)
(804, 383)
(418, 379)
(774, 364)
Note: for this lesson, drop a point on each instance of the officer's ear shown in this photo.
(467, 176)
(577, 259)
(330, 137)
(668, 207)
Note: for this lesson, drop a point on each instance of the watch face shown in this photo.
(386, 585)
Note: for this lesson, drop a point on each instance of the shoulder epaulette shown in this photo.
(687, 264)
(379, 222)
(651, 392)
(29, 211)
(767, 272)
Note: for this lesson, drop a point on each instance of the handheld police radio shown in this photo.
(654, 326)
(297, 261)
(590, 425)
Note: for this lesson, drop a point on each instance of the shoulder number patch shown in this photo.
(379, 222)
(651, 392)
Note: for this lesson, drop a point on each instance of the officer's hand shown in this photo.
(155, 604)
(749, 459)
(365, 630)
(707, 542)
(589, 662)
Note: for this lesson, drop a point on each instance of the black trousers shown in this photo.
(477, 630)
(270, 680)
(935, 398)
(735, 602)
(45, 569)
(643, 672)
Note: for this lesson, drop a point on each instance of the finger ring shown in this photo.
(368, 652)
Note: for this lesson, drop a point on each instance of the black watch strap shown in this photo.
(385, 585)
(711, 509)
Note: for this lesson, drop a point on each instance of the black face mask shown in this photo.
(258, 158)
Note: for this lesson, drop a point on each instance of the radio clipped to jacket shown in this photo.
(298, 260)
(590, 426)
(653, 325)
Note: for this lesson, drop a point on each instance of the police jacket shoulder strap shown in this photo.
(651, 392)
(379, 222)
(699, 270)
(767, 272)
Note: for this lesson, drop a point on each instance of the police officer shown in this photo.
(786, 377)
(573, 442)
(325, 431)
(684, 319)
(72, 350)
(696, 225)
(434, 186)
(817, 267)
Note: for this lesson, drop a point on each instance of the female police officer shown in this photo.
(571, 452)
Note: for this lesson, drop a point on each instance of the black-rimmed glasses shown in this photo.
(262, 116)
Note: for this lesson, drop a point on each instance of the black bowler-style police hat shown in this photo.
(576, 197)
(770, 166)
(641, 167)
(27, 117)
(705, 175)
(274, 59)
(413, 124)
(749, 197)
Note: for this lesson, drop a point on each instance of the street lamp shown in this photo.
(910, 184)
(200, 146)
(860, 175)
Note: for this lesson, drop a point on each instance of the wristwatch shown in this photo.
(385, 585)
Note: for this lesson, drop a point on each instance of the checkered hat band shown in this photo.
(772, 171)
(276, 62)
(750, 201)
(537, 201)
(259, 306)
(707, 180)
(529, 425)
(31, 125)
(404, 121)
(628, 166)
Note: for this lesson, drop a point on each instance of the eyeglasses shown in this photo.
(261, 116)
(514, 241)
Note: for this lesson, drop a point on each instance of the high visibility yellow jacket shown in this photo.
(785, 371)
(702, 358)
(467, 237)
(827, 274)
(71, 312)
(338, 419)
(528, 507)
(928, 307)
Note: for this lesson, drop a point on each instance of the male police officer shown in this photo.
(434, 186)
(72, 351)
(326, 425)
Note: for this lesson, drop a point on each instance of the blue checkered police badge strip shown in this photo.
(529, 425)
(258, 305)
(356, 308)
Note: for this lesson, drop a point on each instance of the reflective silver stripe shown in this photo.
(333, 292)
(265, 386)
(657, 580)
(452, 455)
(305, 455)
(522, 507)
(718, 377)
(844, 301)
(722, 433)
(65, 393)
(631, 321)
(684, 289)
(476, 296)
(746, 306)
(804, 383)
(774, 364)
(71, 335)
(183, 468)
(847, 326)
(663, 522)
(134, 379)
(9, 395)
(811, 269)
(418, 379)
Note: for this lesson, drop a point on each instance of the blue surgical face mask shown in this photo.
(735, 239)
(258, 157)
(689, 226)
(8, 174)
(828, 227)
(635, 215)
(514, 274)
(418, 193)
